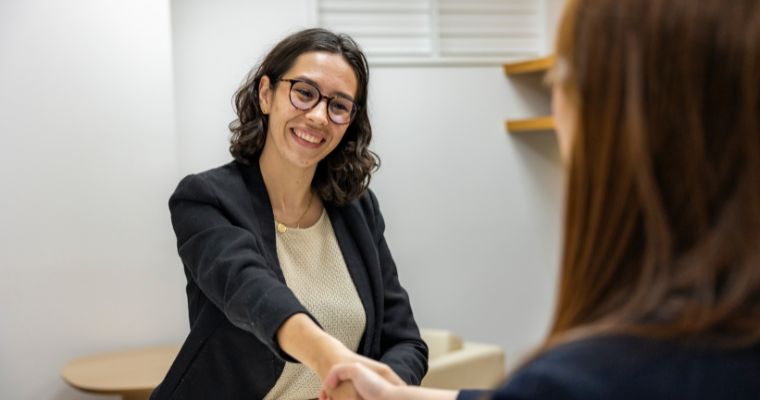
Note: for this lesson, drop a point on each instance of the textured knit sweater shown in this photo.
(316, 272)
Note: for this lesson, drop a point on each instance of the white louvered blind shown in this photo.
(438, 31)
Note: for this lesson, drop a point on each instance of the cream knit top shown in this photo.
(316, 272)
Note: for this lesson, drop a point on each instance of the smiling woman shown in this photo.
(300, 60)
(288, 270)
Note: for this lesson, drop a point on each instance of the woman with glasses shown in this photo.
(657, 108)
(288, 272)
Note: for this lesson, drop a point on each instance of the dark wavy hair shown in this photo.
(345, 173)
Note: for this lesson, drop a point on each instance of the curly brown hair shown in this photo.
(345, 173)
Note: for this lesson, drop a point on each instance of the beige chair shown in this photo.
(459, 365)
(134, 374)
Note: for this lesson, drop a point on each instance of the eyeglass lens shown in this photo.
(304, 96)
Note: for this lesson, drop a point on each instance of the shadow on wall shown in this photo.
(539, 150)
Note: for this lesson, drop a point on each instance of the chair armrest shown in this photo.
(475, 366)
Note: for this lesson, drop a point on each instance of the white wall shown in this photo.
(87, 163)
(473, 213)
(554, 9)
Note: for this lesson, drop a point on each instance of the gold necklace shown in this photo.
(282, 228)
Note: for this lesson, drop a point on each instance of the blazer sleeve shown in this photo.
(401, 345)
(228, 265)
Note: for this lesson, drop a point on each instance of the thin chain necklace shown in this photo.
(281, 226)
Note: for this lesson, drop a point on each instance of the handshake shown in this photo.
(345, 375)
(359, 378)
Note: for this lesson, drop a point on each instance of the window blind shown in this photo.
(438, 31)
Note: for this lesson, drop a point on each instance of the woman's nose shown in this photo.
(318, 114)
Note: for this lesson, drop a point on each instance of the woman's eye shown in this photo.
(340, 107)
(305, 94)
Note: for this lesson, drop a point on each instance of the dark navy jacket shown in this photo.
(622, 368)
(238, 298)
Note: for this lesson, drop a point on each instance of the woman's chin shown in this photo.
(303, 159)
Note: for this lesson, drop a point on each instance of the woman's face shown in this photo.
(564, 122)
(303, 138)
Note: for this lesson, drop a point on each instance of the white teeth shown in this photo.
(308, 138)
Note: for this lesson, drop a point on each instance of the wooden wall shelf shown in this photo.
(533, 124)
(535, 65)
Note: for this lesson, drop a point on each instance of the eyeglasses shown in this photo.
(305, 96)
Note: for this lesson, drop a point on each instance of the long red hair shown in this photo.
(662, 230)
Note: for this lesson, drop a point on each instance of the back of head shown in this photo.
(662, 235)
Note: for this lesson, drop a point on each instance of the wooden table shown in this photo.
(133, 374)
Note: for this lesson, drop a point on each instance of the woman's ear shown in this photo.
(265, 95)
(565, 119)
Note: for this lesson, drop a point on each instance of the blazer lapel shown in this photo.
(358, 271)
(262, 210)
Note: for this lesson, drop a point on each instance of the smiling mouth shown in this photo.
(306, 137)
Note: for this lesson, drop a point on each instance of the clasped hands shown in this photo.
(352, 377)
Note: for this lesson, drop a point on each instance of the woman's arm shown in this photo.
(371, 386)
(305, 341)
(300, 337)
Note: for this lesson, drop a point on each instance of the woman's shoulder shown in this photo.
(367, 202)
(230, 175)
(366, 205)
(223, 184)
(363, 210)
(634, 368)
(218, 176)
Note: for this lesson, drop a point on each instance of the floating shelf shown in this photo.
(524, 67)
(533, 124)
(535, 65)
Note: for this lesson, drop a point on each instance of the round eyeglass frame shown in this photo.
(320, 97)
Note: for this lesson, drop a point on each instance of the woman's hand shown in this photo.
(368, 384)
(305, 341)
(345, 356)
(342, 355)
(371, 386)
(344, 391)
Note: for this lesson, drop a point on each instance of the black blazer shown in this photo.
(629, 368)
(237, 297)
